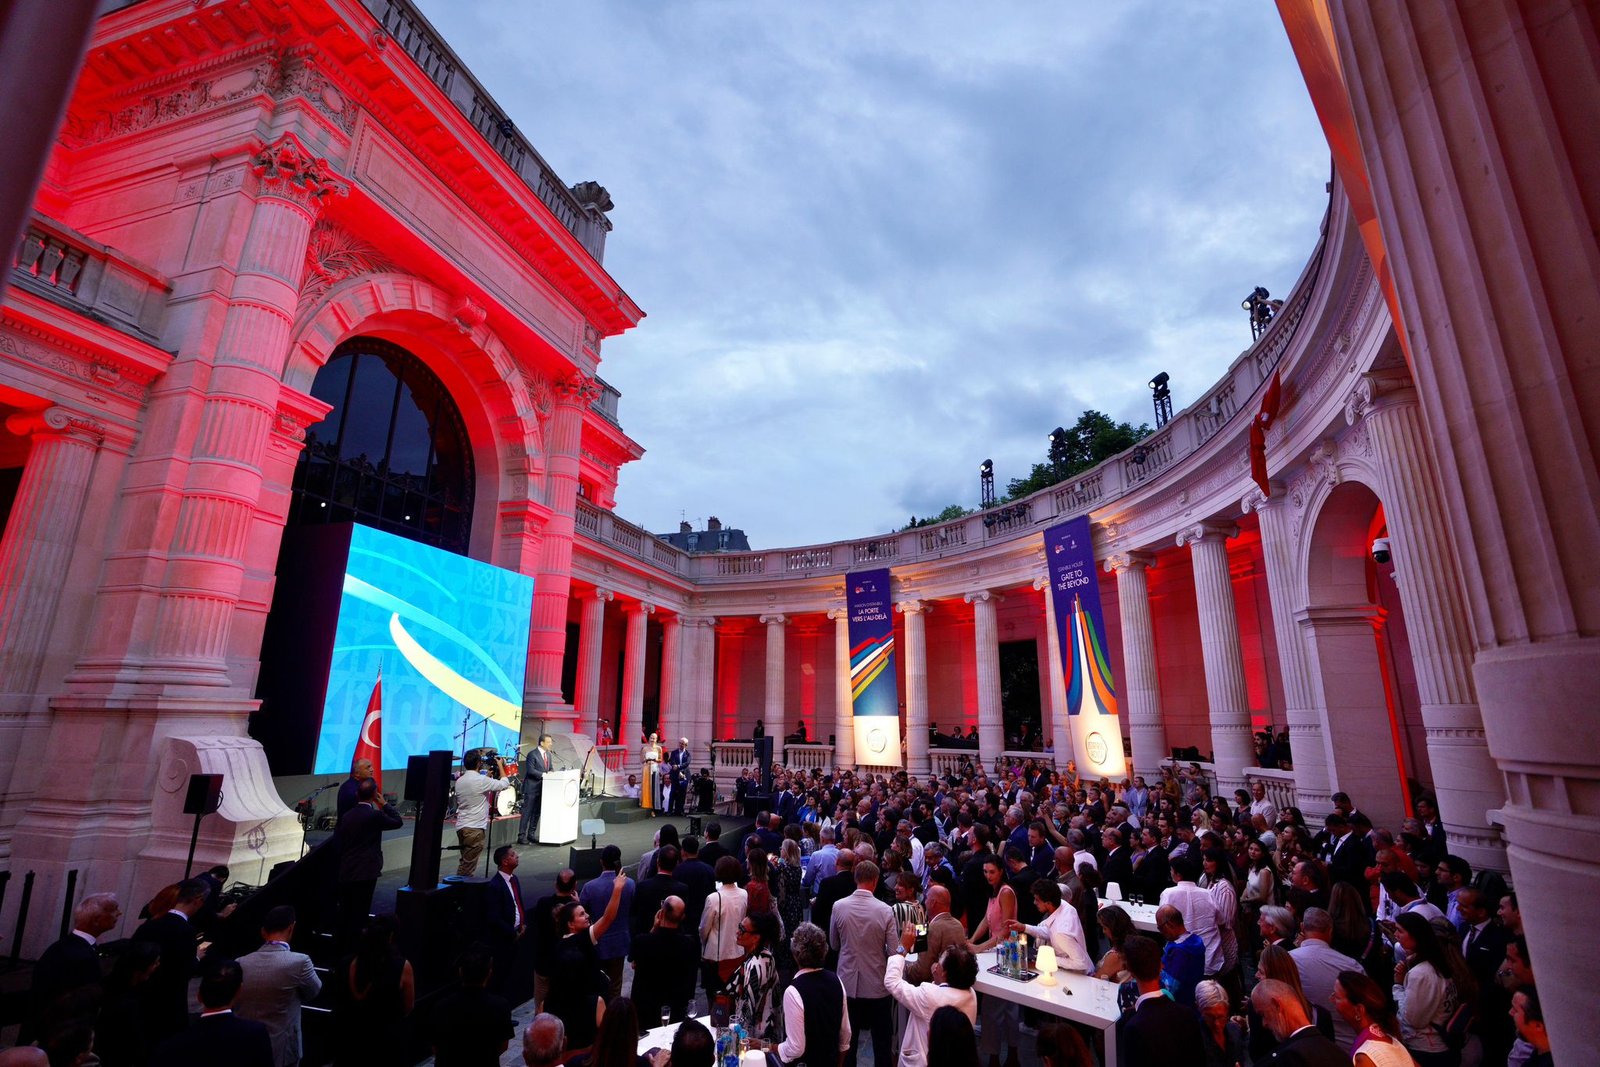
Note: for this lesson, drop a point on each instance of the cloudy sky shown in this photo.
(879, 242)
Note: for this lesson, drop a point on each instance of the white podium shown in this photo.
(558, 808)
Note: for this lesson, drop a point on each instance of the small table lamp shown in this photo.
(1045, 964)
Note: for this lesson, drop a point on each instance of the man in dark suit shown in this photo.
(73, 963)
(1118, 865)
(698, 877)
(974, 885)
(219, 1036)
(1347, 854)
(666, 958)
(678, 776)
(360, 771)
(534, 767)
(1021, 876)
(713, 850)
(1301, 1044)
(359, 841)
(545, 935)
(1157, 1030)
(1152, 874)
(1484, 947)
(649, 894)
(505, 916)
(175, 933)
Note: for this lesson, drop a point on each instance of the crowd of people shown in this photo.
(856, 909)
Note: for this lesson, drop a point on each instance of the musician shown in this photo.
(678, 770)
(472, 808)
(534, 767)
(650, 787)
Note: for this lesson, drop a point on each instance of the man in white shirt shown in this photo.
(813, 1000)
(1319, 965)
(473, 789)
(954, 975)
(1260, 805)
(1198, 909)
(1061, 929)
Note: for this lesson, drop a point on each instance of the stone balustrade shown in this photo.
(808, 757)
(62, 265)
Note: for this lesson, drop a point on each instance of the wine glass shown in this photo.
(666, 1015)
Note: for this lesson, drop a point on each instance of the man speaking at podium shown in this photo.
(533, 770)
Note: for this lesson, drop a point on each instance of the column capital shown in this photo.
(600, 593)
(1377, 389)
(1206, 532)
(288, 171)
(640, 607)
(1255, 500)
(576, 389)
(982, 596)
(58, 422)
(839, 614)
(697, 620)
(1121, 561)
(914, 607)
(774, 620)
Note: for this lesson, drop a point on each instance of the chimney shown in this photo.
(684, 527)
(713, 524)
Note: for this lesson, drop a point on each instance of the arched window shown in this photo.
(392, 454)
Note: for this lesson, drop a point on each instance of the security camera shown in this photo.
(1380, 550)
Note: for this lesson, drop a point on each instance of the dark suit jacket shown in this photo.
(542, 923)
(944, 930)
(1308, 1048)
(359, 839)
(678, 764)
(830, 891)
(1153, 874)
(69, 964)
(170, 984)
(974, 887)
(217, 1039)
(648, 895)
(500, 911)
(711, 852)
(1350, 862)
(702, 882)
(1159, 1031)
(665, 963)
(1118, 868)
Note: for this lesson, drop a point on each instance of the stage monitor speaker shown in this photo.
(416, 778)
(436, 924)
(764, 762)
(205, 794)
(757, 802)
(428, 835)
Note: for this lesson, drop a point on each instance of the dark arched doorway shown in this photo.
(392, 454)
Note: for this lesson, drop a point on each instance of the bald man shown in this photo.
(360, 771)
(1301, 1044)
(944, 930)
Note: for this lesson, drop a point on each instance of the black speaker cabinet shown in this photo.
(205, 794)
(764, 762)
(416, 778)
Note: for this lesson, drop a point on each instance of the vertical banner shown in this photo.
(874, 686)
(1085, 666)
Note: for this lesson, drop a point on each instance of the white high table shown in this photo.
(1078, 997)
(1143, 915)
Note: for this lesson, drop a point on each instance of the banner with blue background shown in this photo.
(874, 686)
(1085, 660)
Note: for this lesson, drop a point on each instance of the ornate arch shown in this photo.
(504, 404)
(1333, 462)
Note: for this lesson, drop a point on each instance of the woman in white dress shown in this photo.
(649, 787)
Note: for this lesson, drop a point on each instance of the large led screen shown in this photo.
(450, 635)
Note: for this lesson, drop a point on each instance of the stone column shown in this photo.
(1306, 740)
(1226, 693)
(986, 647)
(671, 716)
(638, 616)
(1427, 577)
(34, 556)
(1466, 116)
(205, 556)
(547, 642)
(773, 707)
(1141, 680)
(591, 642)
(917, 760)
(1061, 739)
(697, 682)
(844, 720)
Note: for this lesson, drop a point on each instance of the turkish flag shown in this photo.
(1258, 434)
(369, 746)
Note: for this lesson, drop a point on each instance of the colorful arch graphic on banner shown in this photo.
(1091, 690)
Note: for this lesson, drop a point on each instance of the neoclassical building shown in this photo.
(291, 264)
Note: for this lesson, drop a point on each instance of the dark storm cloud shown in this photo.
(878, 243)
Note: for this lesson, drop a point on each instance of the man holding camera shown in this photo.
(473, 790)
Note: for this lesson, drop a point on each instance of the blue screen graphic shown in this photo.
(451, 637)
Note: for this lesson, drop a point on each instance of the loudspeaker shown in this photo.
(416, 778)
(436, 924)
(764, 762)
(428, 833)
(585, 862)
(205, 794)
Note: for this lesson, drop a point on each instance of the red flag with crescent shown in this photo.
(1258, 434)
(369, 746)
